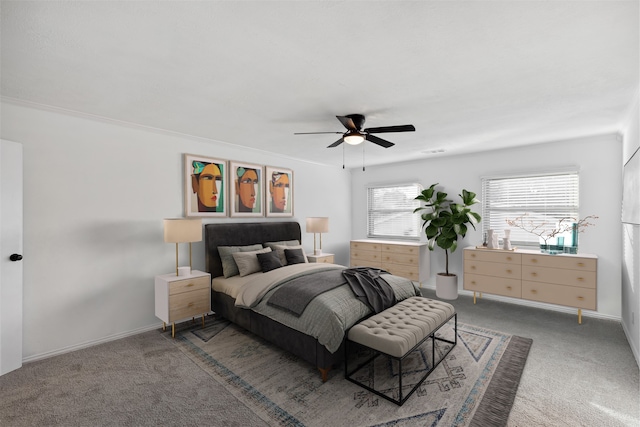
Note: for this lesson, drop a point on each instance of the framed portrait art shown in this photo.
(205, 186)
(245, 180)
(279, 191)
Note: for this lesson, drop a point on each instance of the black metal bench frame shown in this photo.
(401, 400)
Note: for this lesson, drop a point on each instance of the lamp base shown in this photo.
(317, 252)
(184, 271)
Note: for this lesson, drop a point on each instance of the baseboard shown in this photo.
(535, 304)
(634, 349)
(86, 344)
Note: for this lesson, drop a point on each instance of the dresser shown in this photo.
(400, 258)
(564, 279)
(182, 297)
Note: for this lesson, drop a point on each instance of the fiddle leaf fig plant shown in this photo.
(445, 220)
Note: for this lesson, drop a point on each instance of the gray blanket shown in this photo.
(370, 288)
(295, 295)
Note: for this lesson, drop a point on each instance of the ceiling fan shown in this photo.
(356, 135)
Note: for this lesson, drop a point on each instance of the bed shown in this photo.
(319, 344)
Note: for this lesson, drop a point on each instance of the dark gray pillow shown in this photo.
(269, 261)
(248, 261)
(294, 256)
(229, 266)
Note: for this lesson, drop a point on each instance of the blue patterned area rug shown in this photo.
(475, 384)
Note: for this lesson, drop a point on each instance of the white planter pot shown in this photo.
(446, 286)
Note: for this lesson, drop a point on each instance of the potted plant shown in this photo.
(443, 223)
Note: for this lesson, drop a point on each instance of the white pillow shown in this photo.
(280, 251)
(248, 261)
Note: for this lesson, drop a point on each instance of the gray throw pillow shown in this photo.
(269, 261)
(280, 251)
(248, 261)
(229, 266)
(294, 256)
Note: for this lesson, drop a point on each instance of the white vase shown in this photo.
(446, 286)
(492, 239)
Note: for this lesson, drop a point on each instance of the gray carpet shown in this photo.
(576, 375)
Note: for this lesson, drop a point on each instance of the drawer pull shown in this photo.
(508, 258)
(534, 274)
(473, 255)
(509, 271)
(509, 287)
(534, 260)
(581, 298)
(473, 282)
(580, 264)
(473, 267)
(189, 285)
(580, 279)
(190, 304)
(533, 291)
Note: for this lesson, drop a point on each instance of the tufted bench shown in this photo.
(406, 330)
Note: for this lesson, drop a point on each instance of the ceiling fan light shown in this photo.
(354, 139)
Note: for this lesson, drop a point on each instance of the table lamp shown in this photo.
(182, 230)
(317, 225)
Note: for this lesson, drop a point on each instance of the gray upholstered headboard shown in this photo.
(242, 234)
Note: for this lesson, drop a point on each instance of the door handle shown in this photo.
(15, 257)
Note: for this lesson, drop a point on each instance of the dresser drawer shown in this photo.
(357, 262)
(496, 269)
(505, 257)
(557, 294)
(492, 285)
(406, 271)
(190, 284)
(405, 259)
(401, 249)
(366, 255)
(560, 261)
(559, 276)
(365, 246)
(188, 304)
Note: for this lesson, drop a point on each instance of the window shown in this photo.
(390, 211)
(544, 198)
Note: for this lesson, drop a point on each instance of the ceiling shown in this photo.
(470, 75)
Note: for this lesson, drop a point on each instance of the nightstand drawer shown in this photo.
(188, 304)
(324, 258)
(190, 284)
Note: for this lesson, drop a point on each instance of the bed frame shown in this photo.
(242, 234)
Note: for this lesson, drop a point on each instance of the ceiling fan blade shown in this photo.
(347, 122)
(385, 129)
(335, 144)
(312, 133)
(381, 142)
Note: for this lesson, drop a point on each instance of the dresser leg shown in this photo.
(474, 297)
(579, 316)
(164, 326)
(203, 320)
(173, 330)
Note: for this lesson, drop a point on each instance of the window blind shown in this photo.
(543, 198)
(390, 211)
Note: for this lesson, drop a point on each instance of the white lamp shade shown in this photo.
(182, 230)
(318, 225)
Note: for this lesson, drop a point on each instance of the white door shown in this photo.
(10, 256)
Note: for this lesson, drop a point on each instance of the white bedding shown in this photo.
(327, 316)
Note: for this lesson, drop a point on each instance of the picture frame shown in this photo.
(205, 186)
(278, 190)
(246, 189)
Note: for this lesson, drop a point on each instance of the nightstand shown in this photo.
(181, 297)
(327, 258)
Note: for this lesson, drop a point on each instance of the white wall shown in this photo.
(631, 248)
(598, 160)
(95, 194)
